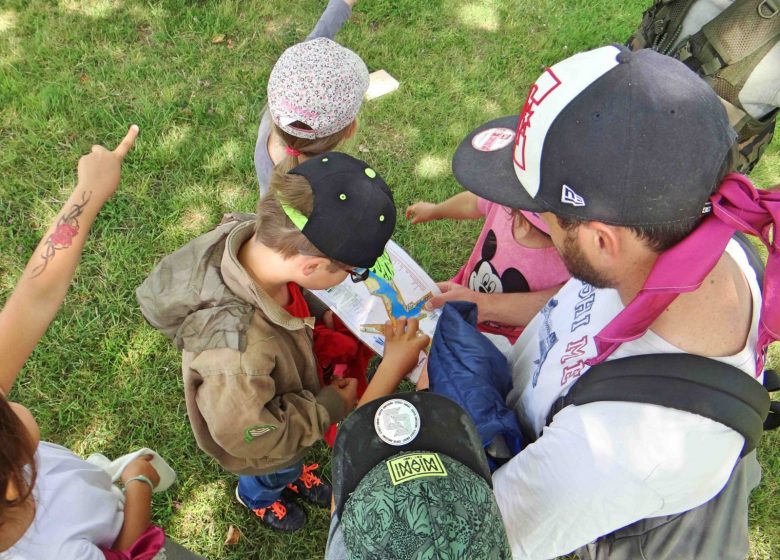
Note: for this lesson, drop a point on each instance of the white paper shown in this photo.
(365, 313)
(380, 83)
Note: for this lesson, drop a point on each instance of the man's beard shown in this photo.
(578, 266)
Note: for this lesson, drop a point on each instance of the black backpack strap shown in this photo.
(772, 384)
(685, 382)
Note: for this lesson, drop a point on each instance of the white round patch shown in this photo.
(493, 139)
(397, 422)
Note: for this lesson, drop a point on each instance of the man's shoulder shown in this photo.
(716, 319)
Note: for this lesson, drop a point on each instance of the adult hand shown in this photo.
(403, 344)
(347, 390)
(99, 170)
(140, 466)
(450, 291)
(420, 212)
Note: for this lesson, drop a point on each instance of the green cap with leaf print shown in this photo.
(414, 484)
(423, 505)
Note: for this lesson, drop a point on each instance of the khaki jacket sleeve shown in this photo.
(249, 420)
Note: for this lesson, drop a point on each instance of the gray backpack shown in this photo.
(725, 52)
(701, 386)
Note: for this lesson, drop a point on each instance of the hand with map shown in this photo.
(396, 288)
(393, 301)
(404, 342)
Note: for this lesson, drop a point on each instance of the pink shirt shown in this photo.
(499, 264)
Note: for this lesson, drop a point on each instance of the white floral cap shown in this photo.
(318, 83)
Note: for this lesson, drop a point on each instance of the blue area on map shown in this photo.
(386, 290)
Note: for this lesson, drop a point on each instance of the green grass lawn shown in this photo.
(78, 72)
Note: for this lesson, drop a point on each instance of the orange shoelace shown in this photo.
(277, 508)
(308, 478)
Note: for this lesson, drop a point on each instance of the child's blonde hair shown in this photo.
(275, 229)
(308, 147)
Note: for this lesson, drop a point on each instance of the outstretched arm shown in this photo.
(462, 206)
(517, 308)
(336, 13)
(44, 282)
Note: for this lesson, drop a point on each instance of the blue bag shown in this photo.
(467, 368)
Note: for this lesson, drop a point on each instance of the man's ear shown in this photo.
(311, 264)
(603, 241)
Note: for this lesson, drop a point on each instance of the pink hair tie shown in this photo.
(292, 151)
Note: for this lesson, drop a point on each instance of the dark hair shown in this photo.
(661, 237)
(17, 459)
(518, 218)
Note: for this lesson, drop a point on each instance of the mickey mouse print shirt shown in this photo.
(499, 264)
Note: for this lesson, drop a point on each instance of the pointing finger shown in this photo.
(127, 142)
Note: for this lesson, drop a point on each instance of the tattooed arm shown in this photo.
(44, 282)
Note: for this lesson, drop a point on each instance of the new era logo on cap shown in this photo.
(554, 89)
(568, 196)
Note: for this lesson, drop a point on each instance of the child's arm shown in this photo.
(336, 13)
(403, 344)
(462, 206)
(138, 502)
(510, 309)
(42, 287)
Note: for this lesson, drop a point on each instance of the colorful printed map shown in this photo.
(393, 290)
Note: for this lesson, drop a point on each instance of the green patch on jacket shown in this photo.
(253, 432)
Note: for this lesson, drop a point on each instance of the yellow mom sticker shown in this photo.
(415, 465)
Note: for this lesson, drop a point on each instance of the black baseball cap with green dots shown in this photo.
(353, 216)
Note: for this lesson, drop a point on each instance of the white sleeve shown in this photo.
(602, 466)
(559, 494)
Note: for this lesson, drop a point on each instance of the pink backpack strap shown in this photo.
(737, 205)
